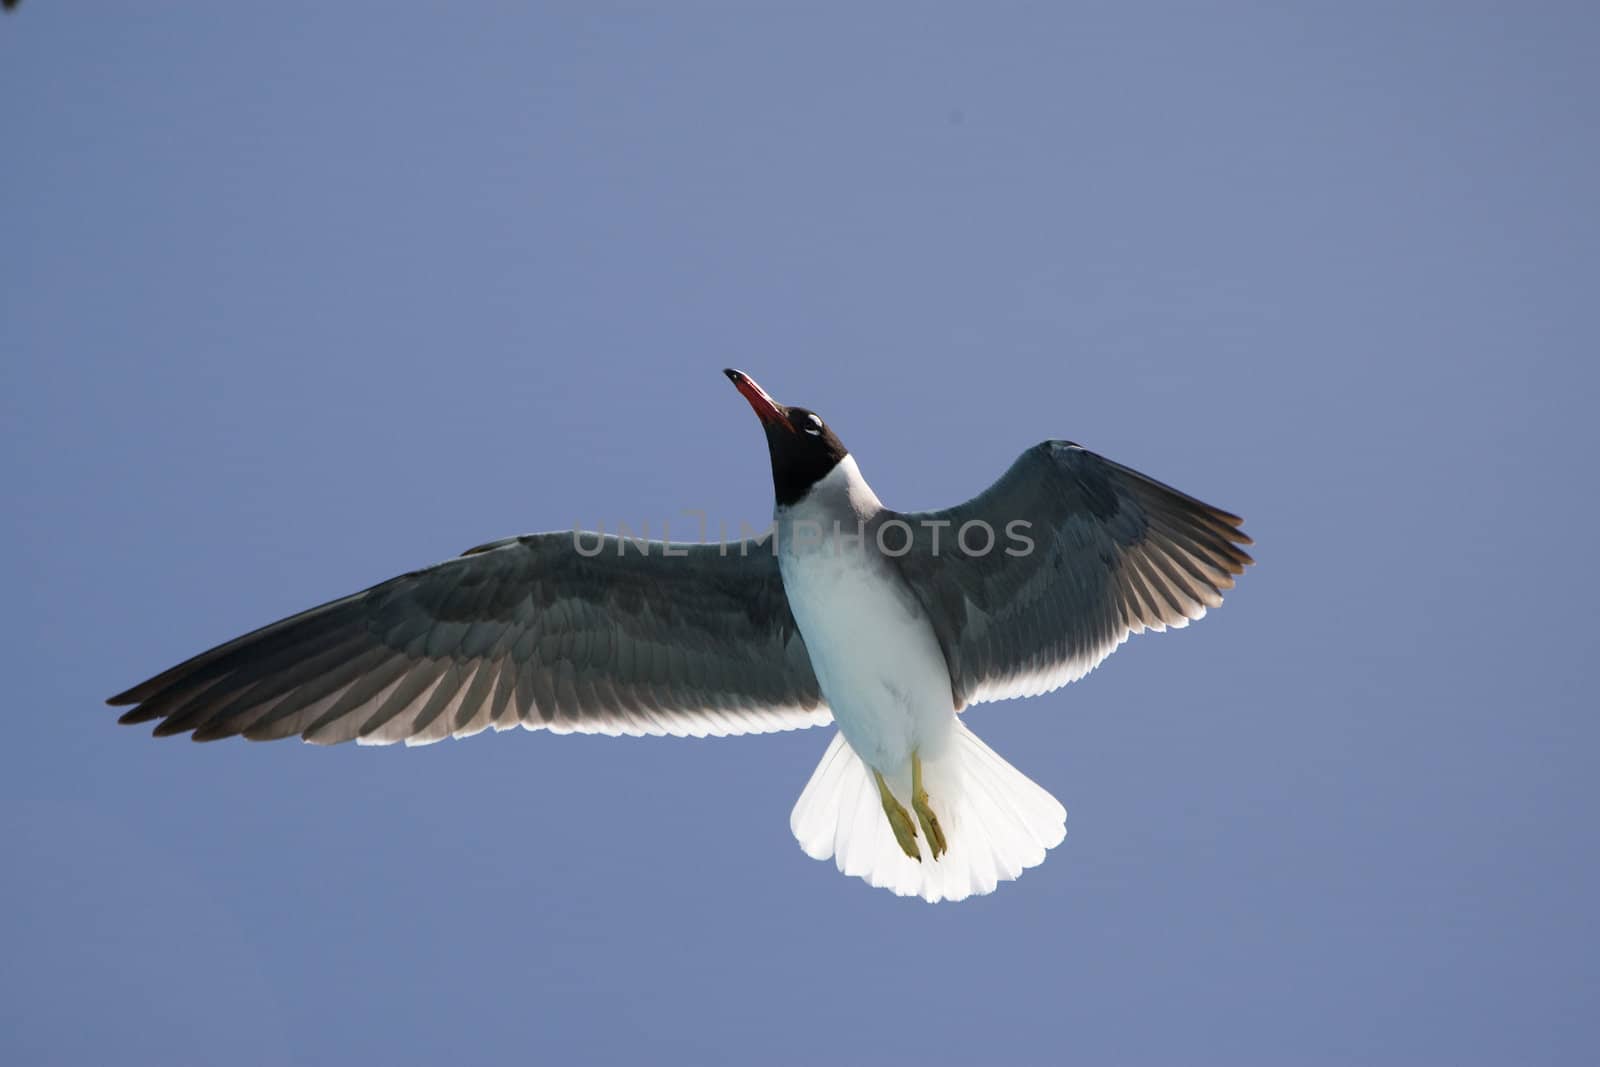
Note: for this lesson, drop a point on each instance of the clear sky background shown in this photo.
(294, 297)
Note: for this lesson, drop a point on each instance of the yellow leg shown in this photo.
(905, 832)
(925, 815)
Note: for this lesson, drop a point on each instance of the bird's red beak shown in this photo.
(767, 409)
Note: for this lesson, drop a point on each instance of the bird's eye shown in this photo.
(815, 429)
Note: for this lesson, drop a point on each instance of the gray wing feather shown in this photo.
(1113, 553)
(526, 631)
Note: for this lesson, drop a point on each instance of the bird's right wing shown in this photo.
(1101, 551)
(684, 639)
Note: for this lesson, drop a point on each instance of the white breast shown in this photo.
(874, 652)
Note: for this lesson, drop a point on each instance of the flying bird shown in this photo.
(886, 623)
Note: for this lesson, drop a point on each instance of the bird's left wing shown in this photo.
(1084, 552)
(615, 638)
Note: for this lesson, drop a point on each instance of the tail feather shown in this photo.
(998, 821)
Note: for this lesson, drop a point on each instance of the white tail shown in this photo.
(997, 821)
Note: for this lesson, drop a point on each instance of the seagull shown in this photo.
(887, 623)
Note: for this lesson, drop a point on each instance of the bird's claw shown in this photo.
(905, 831)
(925, 815)
(930, 825)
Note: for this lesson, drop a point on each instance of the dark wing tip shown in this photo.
(1237, 558)
(1233, 523)
(1235, 533)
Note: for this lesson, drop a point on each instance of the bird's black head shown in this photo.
(802, 446)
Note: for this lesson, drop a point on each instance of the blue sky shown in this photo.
(296, 297)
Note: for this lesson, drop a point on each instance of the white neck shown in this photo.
(841, 490)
